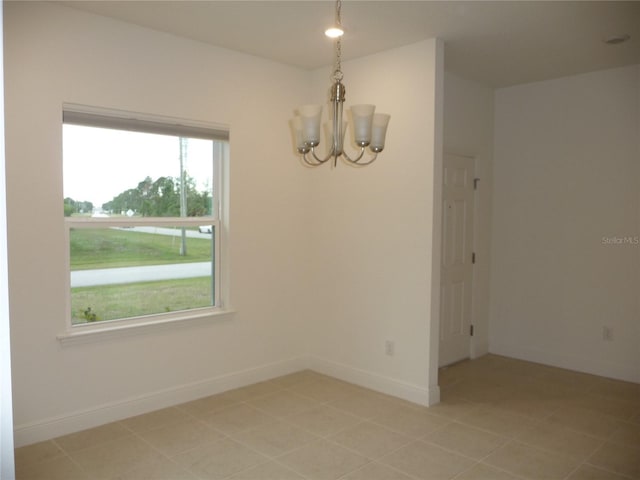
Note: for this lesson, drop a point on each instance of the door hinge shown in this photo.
(473, 257)
(475, 183)
(471, 330)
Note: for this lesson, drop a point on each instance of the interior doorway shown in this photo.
(456, 327)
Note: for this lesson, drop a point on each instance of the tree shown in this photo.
(72, 206)
(161, 198)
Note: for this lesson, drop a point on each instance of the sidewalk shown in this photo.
(112, 276)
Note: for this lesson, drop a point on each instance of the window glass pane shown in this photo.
(141, 212)
(115, 172)
(123, 272)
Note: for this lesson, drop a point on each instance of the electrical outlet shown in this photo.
(607, 333)
(389, 347)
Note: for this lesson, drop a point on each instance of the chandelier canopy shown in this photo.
(369, 128)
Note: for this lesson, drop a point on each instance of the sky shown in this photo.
(101, 163)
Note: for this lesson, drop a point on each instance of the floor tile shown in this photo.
(162, 469)
(497, 421)
(92, 437)
(275, 439)
(283, 403)
(616, 389)
(116, 457)
(323, 420)
(426, 461)
(448, 376)
(298, 377)
(376, 471)
(589, 472)
(621, 409)
(325, 390)
(166, 416)
(322, 460)
(480, 471)
(59, 468)
(529, 402)
(369, 439)
(411, 422)
(465, 440)
(586, 421)
(480, 392)
(559, 439)
(560, 378)
(268, 471)
(37, 452)
(627, 434)
(174, 439)
(207, 405)
(253, 391)
(453, 407)
(366, 404)
(531, 463)
(237, 418)
(618, 458)
(220, 459)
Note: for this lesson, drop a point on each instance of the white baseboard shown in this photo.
(585, 364)
(390, 386)
(38, 431)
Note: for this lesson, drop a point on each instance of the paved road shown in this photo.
(112, 276)
(174, 232)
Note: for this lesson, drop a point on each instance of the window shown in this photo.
(142, 203)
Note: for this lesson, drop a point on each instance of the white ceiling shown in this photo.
(498, 43)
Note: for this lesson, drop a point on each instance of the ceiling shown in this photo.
(498, 43)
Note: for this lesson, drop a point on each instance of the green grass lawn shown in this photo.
(93, 248)
(97, 248)
(110, 302)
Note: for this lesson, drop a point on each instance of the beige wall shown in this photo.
(55, 54)
(324, 264)
(373, 232)
(566, 180)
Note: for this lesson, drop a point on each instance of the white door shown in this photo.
(457, 258)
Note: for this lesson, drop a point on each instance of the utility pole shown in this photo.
(183, 192)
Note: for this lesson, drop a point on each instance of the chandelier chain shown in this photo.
(337, 72)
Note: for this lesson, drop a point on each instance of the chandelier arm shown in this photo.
(309, 162)
(353, 160)
(318, 161)
(369, 162)
(356, 161)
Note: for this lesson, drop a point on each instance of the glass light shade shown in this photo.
(310, 116)
(296, 125)
(362, 116)
(379, 131)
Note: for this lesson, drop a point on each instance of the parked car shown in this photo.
(205, 229)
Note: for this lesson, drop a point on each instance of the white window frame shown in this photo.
(120, 120)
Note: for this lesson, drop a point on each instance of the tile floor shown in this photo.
(499, 419)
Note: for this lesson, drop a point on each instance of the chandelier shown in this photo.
(369, 128)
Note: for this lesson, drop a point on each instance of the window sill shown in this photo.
(117, 329)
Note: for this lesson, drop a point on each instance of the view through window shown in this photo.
(141, 209)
